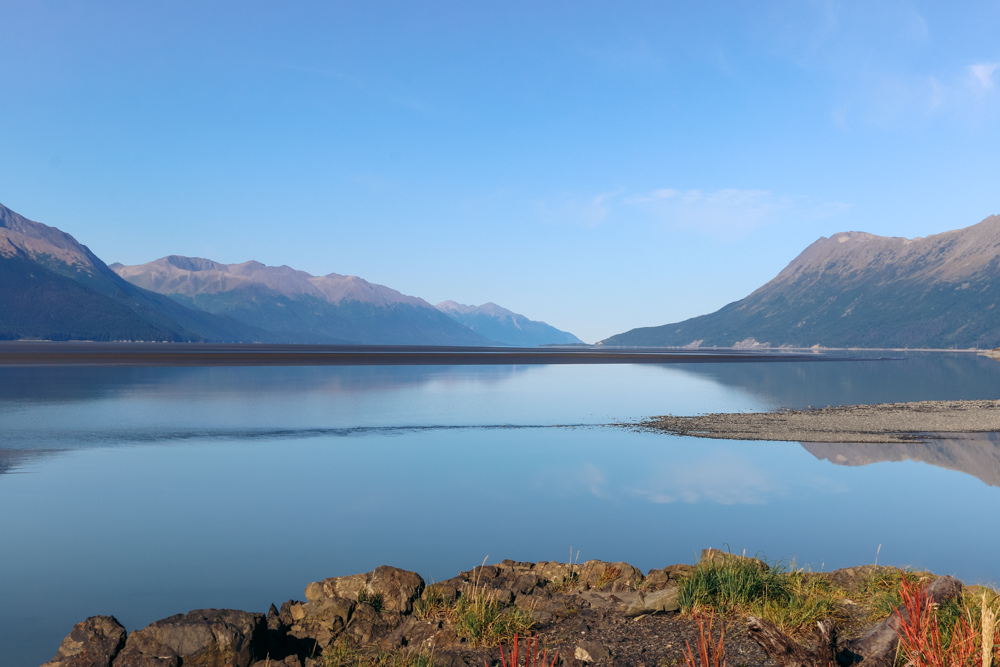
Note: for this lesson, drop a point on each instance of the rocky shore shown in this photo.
(595, 613)
(881, 423)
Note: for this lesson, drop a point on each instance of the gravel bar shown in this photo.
(884, 422)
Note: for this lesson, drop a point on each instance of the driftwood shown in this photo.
(787, 652)
(875, 647)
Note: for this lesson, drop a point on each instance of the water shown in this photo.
(147, 492)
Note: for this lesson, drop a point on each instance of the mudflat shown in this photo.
(885, 422)
(30, 353)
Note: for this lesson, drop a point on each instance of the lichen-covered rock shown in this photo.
(396, 588)
(200, 638)
(92, 643)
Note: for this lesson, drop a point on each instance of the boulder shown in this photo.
(605, 576)
(200, 638)
(661, 601)
(316, 623)
(396, 588)
(91, 643)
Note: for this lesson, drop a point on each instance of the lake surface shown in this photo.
(144, 492)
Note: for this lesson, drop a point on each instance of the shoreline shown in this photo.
(603, 613)
(79, 353)
(918, 421)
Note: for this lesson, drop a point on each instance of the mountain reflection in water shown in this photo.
(976, 454)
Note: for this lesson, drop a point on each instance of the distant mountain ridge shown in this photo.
(856, 289)
(53, 287)
(507, 327)
(322, 309)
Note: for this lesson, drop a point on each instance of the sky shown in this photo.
(599, 166)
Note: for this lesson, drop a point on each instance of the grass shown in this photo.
(484, 619)
(345, 653)
(792, 600)
(479, 614)
(373, 599)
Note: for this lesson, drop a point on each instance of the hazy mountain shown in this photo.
(323, 309)
(860, 290)
(52, 287)
(503, 326)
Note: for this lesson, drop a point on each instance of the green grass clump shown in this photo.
(373, 599)
(481, 617)
(790, 600)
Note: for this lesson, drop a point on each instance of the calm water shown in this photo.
(146, 492)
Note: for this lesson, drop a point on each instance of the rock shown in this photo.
(610, 576)
(679, 571)
(656, 580)
(91, 643)
(665, 600)
(317, 623)
(718, 558)
(397, 588)
(290, 661)
(591, 652)
(367, 625)
(201, 638)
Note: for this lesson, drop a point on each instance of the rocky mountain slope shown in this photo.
(861, 290)
(53, 287)
(321, 309)
(503, 326)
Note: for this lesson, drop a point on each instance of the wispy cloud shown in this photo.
(729, 212)
(982, 75)
(725, 480)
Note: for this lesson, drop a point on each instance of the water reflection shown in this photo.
(902, 377)
(976, 454)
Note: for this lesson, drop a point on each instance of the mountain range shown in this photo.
(53, 287)
(861, 290)
(500, 324)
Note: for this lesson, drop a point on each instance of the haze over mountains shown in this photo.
(53, 287)
(330, 308)
(500, 324)
(861, 290)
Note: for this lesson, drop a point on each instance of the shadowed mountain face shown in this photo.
(976, 454)
(860, 290)
(503, 326)
(53, 287)
(320, 309)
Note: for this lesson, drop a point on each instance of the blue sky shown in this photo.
(599, 166)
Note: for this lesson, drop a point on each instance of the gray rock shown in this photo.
(200, 638)
(91, 643)
(591, 652)
(397, 588)
(664, 600)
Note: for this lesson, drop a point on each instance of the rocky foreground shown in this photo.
(600, 613)
(881, 423)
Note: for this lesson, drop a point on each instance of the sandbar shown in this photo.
(885, 422)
